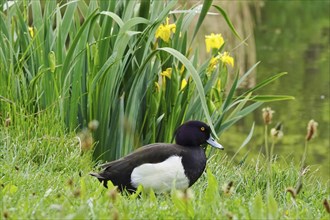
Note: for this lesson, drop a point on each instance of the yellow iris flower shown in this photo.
(31, 31)
(164, 31)
(213, 64)
(183, 83)
(167, 73)
(213, 41)
(226, 58)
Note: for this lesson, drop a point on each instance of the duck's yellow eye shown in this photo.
(202, 129)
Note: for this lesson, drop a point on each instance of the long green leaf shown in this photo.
(69, 62)
(69, 57)
(247, 110)
(195, 76)
(227, 124)
(230, 95)
(271, 98)
(67, 21)
(247, 73)
(240, 105)
(245, 142)
(230, 121)
(266, 82)
(206, 6)
(231, 26)
(114, 16)
(37, 14)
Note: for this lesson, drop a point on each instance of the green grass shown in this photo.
(44, 175)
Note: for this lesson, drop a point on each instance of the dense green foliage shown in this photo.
(105, 64)
(46, 176)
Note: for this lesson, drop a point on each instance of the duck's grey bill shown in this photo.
(214, 143)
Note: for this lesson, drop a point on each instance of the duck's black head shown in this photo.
(195, 133)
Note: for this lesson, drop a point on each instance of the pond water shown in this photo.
(293, 37)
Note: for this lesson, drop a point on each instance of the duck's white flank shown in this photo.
(162, 176)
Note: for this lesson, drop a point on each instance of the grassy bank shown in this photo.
(45, 175)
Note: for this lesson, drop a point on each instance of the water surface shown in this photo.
(293, 37)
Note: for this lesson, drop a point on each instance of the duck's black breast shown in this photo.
(194, 162)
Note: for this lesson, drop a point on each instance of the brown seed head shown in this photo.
(86, 140)
(311, 129)
(115, 215)
(5, 214)
(188, 194)
(267, 115)
(292, 192)
(70, 182)
(76, 193)
(93, 125)
(230, 215)
(7, 122)
(277, 132)
(113, 194)
(326, 205)
(185, 195)
(228, 188)
(305, 170)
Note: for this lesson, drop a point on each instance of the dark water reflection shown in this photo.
(293, 37)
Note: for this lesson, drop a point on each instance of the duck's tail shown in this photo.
(100, 178)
